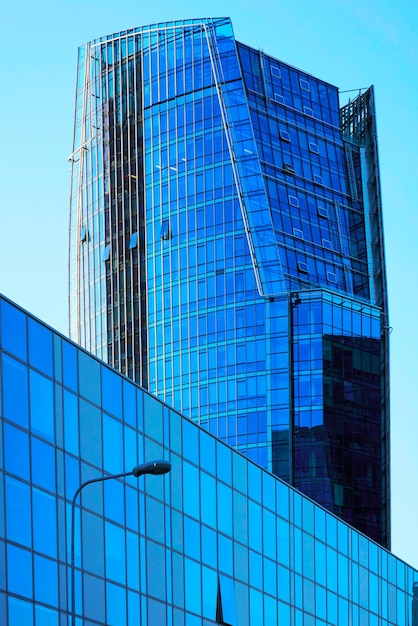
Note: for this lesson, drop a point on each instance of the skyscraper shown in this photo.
(226, 252)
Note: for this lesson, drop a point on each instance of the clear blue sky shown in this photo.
(351, 44)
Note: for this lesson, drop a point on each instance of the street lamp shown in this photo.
(152, 467)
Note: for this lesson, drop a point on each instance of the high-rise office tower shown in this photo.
(226, 252)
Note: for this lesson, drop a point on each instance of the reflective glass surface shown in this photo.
(218, 540)
(225, 228)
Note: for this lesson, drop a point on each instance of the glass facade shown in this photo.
(226, 253)
(219, 540)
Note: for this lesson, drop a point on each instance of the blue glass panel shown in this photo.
(209, 592)
(40, 347)
(240, 473)
(224, 509)
(20, 612)
(229, 608)
(208, 499)
(90, 434)
(190, 442)
(44, 523)
(115, 553)
(153, 417)
(18, 523)
(191, 495)
(15, 391)
(69, 365)
(57, 358)
(225, 554)
(132, 557)
(224, 463)
(209, 547)
(43, 464)
(156, 612)
(111, 392)
(94, 598)
(134, 617)
(13, 330)
(16, 451)
(42, 406)
(193, 588)
(115, 605)
(19, 571)
(255, 525)
(191, 538)
(129, 403)
(46, 580)
(154, 519)
(93, 543)
(112, 444)
(71, 422)
(155, 565)
(2, 566)
(89, 377)
(45, 617)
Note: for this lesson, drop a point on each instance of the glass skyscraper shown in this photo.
(218, 540)
(226, 252)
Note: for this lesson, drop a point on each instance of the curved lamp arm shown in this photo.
(152, 467)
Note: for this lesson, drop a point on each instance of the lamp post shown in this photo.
(152, 467)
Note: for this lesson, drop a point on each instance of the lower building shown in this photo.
(218, 540)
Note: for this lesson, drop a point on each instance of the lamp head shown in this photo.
(152, 467)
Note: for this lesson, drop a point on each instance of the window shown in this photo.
(275, 71)
(165, 230)
(322, 211)
(302, 267)
(284, 135)
(304, 84)
(293, 201)
(279, 98)
(133, 241)
(288, 167)
(331, 277)
(297, 233)
(83, 233)
(318, 179)
(313, 147)
(106, 253)
(327, 244)
(308, 111)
